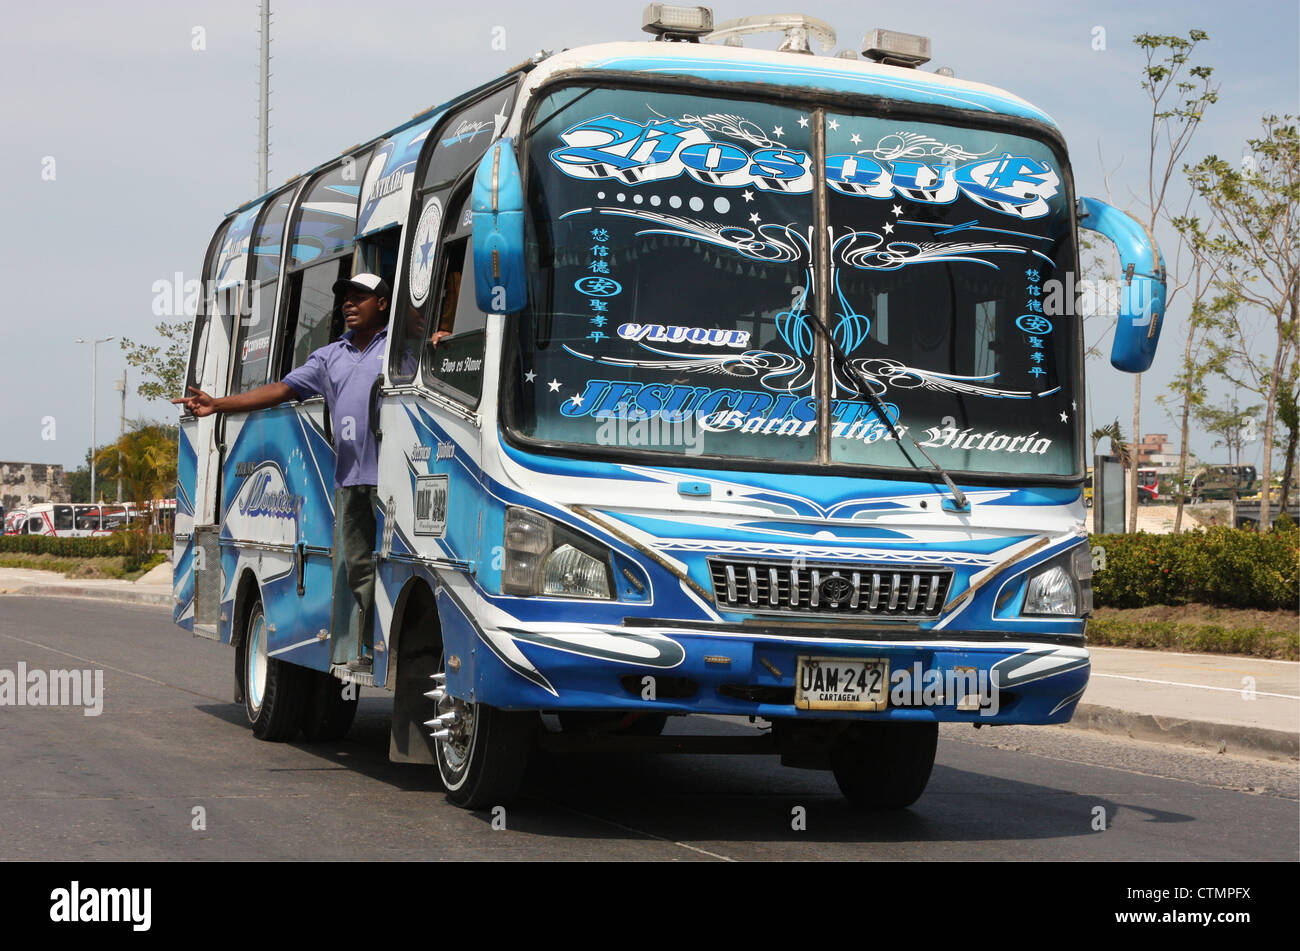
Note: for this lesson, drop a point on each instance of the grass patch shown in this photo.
(1199, 628)
(107, 567)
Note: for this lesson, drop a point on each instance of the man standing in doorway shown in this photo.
(344, 373)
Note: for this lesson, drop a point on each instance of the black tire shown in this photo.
(482, 764)
(273, 700)
(884, 765)
(327, 714)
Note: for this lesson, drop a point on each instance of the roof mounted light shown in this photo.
(669, 22)
(896, 49)
(799, 29)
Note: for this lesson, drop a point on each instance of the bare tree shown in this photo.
(1179, 94)
(1188, 385)
(1257, 212)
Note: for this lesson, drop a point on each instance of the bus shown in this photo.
(758, 399)
(70, 520)
(1148, 482)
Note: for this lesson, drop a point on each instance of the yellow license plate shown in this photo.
(841, 683)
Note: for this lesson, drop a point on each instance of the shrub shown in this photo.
(1220, 566)
(119, 543)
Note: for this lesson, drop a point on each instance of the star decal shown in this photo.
(833, 124)
(1064, 418)
(499, 121)
(778, 131)
(855, 139)
(889, 229)
(1074, 404)
(554, 385)
(747, 195)
(575, 401)
(530, 376)
(897, 209)
(803, 122)
(424, 252)
(754, 219)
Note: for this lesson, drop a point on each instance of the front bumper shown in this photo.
(736, 670)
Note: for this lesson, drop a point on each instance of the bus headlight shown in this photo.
(544, 557)
(1063, 586)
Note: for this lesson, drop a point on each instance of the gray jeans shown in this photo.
(353, 617)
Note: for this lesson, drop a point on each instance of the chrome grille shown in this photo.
(765, 587)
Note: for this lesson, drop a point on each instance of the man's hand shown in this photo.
(438, 335)
(199, 404)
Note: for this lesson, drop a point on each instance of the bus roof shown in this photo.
(418, 117)
(739, 64)
(827, 73)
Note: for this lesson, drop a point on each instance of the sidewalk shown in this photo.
(1223, 702)
(155, 587)
(1227, 702)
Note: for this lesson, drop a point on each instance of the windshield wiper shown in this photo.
(959, 501)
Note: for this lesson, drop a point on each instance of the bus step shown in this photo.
(360, 678)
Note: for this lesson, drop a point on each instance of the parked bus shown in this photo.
(72, 520)
(754, 403)
(1148, 483)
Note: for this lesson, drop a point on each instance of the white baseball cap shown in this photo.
(371, 283)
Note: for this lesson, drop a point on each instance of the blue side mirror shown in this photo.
(1142, 291)
(498, 205)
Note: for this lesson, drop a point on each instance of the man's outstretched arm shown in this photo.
(272, 394)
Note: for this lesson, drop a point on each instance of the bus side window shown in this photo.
(63, 518)
(409, 322)
(87, 518)
(207, 304)
(33, 526)
(453, 357)
(315, 313)
(253, 354)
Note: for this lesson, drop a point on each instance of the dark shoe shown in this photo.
(360, 663)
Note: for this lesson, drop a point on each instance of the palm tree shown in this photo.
(1118, 444)
(145, 460)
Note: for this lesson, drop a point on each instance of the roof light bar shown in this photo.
(896, 49)
(669, 22)
(800, 31)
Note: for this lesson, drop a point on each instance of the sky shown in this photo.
(130, 130)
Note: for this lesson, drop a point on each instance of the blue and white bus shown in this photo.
(759, 398)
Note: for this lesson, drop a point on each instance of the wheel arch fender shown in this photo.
(415, 644)
(247, 592)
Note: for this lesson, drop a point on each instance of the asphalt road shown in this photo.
(170, 746)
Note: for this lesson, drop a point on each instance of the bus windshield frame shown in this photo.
(794, 455)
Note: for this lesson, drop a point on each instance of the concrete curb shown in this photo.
(1218, 737)
(76, 591)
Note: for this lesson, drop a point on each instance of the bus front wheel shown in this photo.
(884, 765)
(484, 755)
(273, 690)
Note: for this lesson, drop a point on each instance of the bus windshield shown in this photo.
(676, 275)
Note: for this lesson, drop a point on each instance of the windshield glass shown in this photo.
(673, 266)
(949, 254)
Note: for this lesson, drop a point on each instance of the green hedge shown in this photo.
(1194, 638)
(119, 543)
(1221, 566)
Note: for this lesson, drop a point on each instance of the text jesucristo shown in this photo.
(771, 414)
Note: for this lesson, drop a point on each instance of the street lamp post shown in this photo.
(93, 345)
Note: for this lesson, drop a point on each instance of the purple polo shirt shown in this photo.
(344, 375)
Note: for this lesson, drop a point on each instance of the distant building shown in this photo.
(1156, 451)
(27, 483)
